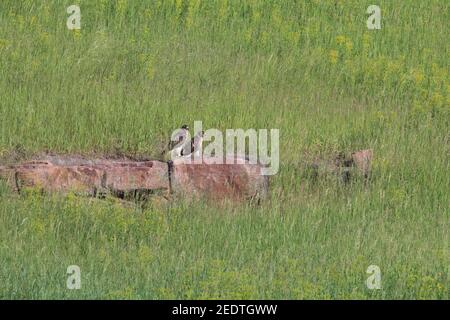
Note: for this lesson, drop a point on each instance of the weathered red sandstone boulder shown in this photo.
(218, 181)
(346, 166)
(88, 176)
(363, 160)
(52, 178)
(93, 176)
(129, 176)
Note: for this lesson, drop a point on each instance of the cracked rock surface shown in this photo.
(95, 176)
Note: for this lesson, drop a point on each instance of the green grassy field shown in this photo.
(139, 69)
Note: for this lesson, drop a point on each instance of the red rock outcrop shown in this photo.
(84, 176)
(218, 181)
(88, 176)
(363, 160)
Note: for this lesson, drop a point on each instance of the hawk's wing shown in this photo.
(179, 138)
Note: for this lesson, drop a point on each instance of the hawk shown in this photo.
(179, 141)
(195, 146)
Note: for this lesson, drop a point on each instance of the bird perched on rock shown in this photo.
(178, 141)
(195, 146)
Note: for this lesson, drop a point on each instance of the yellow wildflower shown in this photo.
(349, 45)
(333, 56)
(340, 39)
(418, 76)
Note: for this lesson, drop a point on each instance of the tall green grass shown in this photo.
(139, 69)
